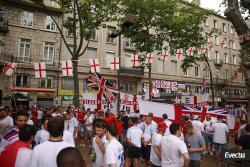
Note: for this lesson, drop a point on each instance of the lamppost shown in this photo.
(128, 22)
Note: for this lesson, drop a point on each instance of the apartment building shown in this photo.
(28, 35)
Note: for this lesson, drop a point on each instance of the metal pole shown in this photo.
(119, 75)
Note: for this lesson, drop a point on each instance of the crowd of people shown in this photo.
(38, 137)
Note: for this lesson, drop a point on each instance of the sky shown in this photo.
(213, 4)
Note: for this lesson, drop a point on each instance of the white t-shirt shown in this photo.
(39, 114)
(114, 153)
(99, 161)
(220, 129)
(149, 130)
(44, 155)
(89, 120)
(23, 157)
(134, 133)
(5, 125)
(30, 122)
(68, 137)
(71, 124)
(156, 140)
(207, 126)
(198, 126)
(56, 114)
(168, 123)
(172, 150)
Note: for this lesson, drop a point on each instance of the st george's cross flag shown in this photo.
(164, 55)
(202, 50)
(9, 70)
(241, 38)
(179, 53)
(210, 46)
(149, 58)
(190, 51)
(134, 60)
(67, 69)
(94, 65)
(40, 70)
(114, 64)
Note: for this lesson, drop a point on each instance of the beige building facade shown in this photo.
(31, 36)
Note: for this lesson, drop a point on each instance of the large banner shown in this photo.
(128, 102)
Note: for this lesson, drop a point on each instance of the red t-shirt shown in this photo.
(110, 120)
(80, 115)
(119, 125)
(34, 115)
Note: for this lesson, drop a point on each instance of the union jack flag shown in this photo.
(95, 81)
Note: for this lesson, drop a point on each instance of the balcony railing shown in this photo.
(6, 57)
(4, 26)
(218, 63)
(219, 82)
(132, 71)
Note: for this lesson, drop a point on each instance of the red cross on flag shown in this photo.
(202, 50)
(190, 51)
(164, 56)
(149, 58)
(115, 64)
(210, 46)
(40, 70)
(179, 53)
(134, 60)
(241, 38)
(222, 43)
(94, 65)
(67, 69)
(9, 69)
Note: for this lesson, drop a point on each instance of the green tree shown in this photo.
(166, 24)
(82, 17)
(237, 12)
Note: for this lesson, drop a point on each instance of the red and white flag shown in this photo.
(202, 50)
(94, 65)
(210, 46)
(115, 64)
(222, 43)
(248, 36)
(149, 58)
(40, 70)
(9, 70)
(179, 53)
(164, 56)
(134, 60)
(67, 69)
(241, 38)
(190, 51)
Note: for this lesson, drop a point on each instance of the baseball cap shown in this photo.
(162, 126)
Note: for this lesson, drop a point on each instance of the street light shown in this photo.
(128, 22)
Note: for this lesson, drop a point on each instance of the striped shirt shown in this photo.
(8, 138)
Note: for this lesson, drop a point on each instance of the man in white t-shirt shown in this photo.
(88, 119)
(71, 123)
(6, 122)
(44, 155)
(114, 150)
(208, 134)
(221, 136)
(174, 151)
(197, 125)
(168, 123)
(134, 135)
(99, 143)
(155, 155)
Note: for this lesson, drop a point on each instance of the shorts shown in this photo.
(145, 150)
(208, 138)
(90, 134)
(195, 163)
(220, 147)
(133, 152)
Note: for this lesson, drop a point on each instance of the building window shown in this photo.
(24, 50)
(53, 3)
(216, 40)
(160, 66)
(109, 58)
(232, 30)
(109, 32)
(215, 24)
(94, 35)
(225, 41)
(185, 72)
(22, 80)
(234, 59)
(207, 74)
(127, 60)
(48, 53)
(226, 58)
(206, 23)
(217, 56)
(128, 43)
(197, 71)
(233, 45)
(27, 19)
(224, 27)
(91, 53)
(70, 32)
(128, 87)
(226, 73)
(173, 67)
(68, 83)
(242, 77)
(49, 24)
(46, 83)
(197, 89)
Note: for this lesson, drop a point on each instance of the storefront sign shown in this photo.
(65, 92)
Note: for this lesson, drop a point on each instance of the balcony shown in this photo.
(128, 45)
(219, 82)
(132, 71)
(218, 63)
(6, 57)
(4, 26)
